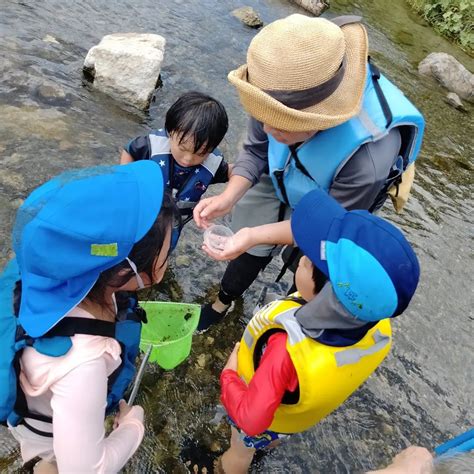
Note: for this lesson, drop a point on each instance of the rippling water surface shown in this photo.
(423, 393)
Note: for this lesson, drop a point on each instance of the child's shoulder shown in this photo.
(217, 152)
(160, 132)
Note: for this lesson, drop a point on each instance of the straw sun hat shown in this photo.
(303, 73)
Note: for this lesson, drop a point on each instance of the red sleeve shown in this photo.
(253, 407)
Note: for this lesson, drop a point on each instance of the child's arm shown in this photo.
(79, 438)
(137, 149)
(253, 407)
(125, 158)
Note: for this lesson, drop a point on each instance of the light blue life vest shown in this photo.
(189, 194)
(56, 343)
(325, 154)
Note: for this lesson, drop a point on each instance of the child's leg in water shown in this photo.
(237, 459)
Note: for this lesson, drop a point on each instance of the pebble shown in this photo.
(201, 361)
(50, 39)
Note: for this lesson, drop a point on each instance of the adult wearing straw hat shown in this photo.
(321, 116)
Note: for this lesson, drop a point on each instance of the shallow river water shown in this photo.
(423, 392)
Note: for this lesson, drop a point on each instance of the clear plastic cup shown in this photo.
(217, 237)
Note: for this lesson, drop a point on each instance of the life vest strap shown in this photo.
(70, 326)
(378, 90)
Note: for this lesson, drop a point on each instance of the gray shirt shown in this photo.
(356, 185)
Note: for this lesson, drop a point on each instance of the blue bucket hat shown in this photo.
(372, 267)
(75, 226)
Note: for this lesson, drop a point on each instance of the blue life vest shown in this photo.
(191, 191)
(320, 159)
(56, 343)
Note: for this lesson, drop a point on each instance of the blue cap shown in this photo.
(372, 267)
(74, 227)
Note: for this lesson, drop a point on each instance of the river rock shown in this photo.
(183, 260)
(450, 73)
(50, 39)
(47, 124)
(126, 66)
(50, 93)
(454, 100)
(12, 180)
(248, 16)
(316, 7)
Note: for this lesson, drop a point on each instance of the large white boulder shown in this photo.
(127, 66)
(450, 73)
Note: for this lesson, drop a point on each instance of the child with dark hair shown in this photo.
(302, 356)
(68, 353)
(186, 150)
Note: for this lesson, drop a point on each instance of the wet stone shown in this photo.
(220, 355)
(12, 180)
(50, 39)
(248, 16)
(201, 360)
(386, 429)
(450, 73)
(405, 37)
(454, 100)
(215, 447)
(183, 260)
(126, 66)
(47, 124)
(51, 91)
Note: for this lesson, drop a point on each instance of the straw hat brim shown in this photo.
(340, 106)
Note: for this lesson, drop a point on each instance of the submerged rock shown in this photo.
(450, 73)
(454, 100)
(50, 39)
(248, 16)
(50, 93)
(12, 180)
(183, 260)
(46, 124)
(126, 66)
(316, 7)
(405, 37)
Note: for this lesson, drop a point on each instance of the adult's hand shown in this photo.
(412, 460)
(278, 233)
(217, 206)
(209, 208)
(233, 246)
(126, 411)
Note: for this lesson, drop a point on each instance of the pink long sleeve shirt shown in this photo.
(72, 389)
